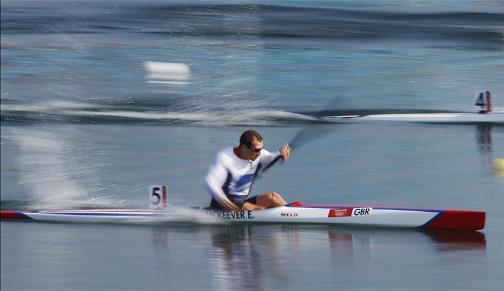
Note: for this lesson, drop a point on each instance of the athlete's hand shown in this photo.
(285, 151)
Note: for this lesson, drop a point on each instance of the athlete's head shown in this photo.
(252, 140)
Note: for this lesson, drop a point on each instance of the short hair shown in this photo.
(249, 135)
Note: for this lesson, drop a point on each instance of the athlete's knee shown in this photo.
(271, 199)
(274, 196)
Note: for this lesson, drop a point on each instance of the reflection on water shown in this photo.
(484, 137)
(234, 261)
(250, 256)
(454, 240)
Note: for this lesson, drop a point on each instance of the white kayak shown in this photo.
(485, 115)
(296, 212)
(496, 118)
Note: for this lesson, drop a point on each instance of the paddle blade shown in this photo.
(304, 136)
(310, 133)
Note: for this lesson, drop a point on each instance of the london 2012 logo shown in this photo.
(340, 212)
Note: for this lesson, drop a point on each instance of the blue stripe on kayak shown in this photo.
(356, 206)
(409, 209)
(101, 214)
(24, 216)
(425, 225)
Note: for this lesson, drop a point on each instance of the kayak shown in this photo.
(485, 115)
(496, 118)
(293, 213)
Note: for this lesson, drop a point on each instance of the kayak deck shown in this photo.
(296, 213)
(496, 118)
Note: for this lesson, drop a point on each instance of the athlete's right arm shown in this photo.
(214, 181)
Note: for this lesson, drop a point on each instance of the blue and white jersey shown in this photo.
(230, 177)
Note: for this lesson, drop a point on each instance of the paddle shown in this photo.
(305, 135)
(308, 133)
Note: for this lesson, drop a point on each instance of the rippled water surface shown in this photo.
(100, 99)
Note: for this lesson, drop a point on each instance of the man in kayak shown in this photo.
(234, 170)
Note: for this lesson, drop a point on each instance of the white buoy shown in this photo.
(167, 73)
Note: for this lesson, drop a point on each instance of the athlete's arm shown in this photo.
(214, 181)
(268, 157)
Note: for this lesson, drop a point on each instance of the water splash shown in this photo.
(103, 112)
(49, 170)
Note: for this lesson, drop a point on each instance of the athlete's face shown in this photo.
(255, 150)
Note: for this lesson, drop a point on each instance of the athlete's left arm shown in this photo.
(268, 157)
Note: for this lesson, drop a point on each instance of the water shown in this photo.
(86, 123)
(256, 257)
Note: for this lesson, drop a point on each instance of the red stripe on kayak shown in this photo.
(13, 215)
(458, 219)
(295, 204)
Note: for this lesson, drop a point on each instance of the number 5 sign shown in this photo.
(158, 196)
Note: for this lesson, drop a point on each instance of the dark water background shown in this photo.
(87, 123)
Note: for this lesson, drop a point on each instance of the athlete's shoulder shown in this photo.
(225, 154)
(265, 152)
